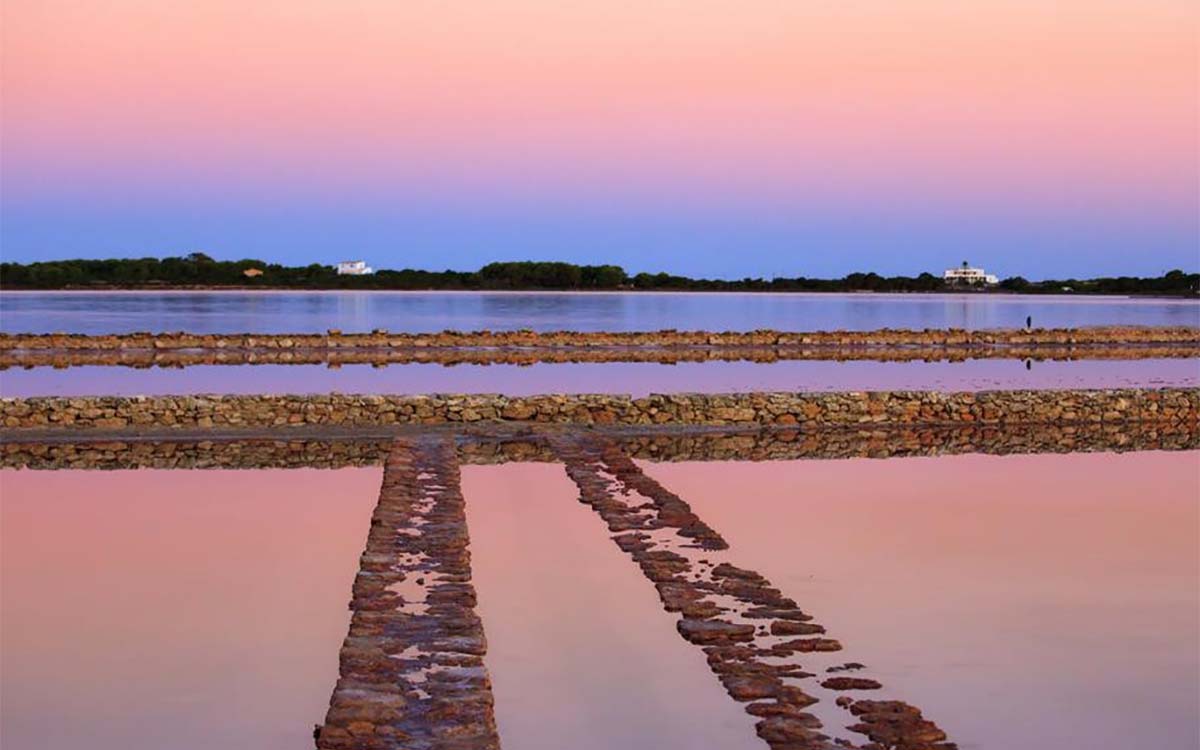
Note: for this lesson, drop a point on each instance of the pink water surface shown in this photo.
(581, 653)
(637, 378)
(175, 609)
(1021, 601)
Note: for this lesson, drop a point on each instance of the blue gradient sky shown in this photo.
(709, 138)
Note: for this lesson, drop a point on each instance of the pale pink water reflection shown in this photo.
(1036, 602)
(581, 653)
(1024, 601)
(175, 609)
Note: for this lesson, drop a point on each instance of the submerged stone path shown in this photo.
(411, 668)
(750, 632)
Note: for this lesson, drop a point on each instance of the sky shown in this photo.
(701, 137)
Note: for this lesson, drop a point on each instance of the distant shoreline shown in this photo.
(198, 272)
(948, 293)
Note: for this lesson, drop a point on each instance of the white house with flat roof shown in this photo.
(354, 268)
(965, 274)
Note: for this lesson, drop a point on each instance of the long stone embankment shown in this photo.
(785, 409)
(575, 339)
(528, 347)
(449, 357)
(493, 444)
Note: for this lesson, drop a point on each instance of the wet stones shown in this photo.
(750, 686)
(790, 614)
(793, 627)
(749, 631)
(687, 600)
(411, 668)
(895, 725)
(794, 732)
(709, 632)
(806, 646)
(850, 683)
(726, 570)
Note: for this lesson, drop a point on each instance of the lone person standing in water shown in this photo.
(1028, 322)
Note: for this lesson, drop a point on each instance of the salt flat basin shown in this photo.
(637, 378)
(1043, 601)
(1033, 601)
(175, 609)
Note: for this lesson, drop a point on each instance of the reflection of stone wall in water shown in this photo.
(497, 446)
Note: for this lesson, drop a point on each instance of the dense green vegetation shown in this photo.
(199, 270)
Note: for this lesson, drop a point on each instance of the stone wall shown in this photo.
(576, 339)
(1165, 405)
(91, 451)
(335, 357)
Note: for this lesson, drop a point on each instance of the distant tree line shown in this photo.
(199, 270)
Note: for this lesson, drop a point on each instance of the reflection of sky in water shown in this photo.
(1060, 589)
(87, 312)
(614, 377)
(581, 653)
(176, 609)
(954, 579)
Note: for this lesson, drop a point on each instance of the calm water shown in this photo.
(635, 378)
(199, 609)
(184, 610)
(114, 312)
(581, 653)
(1087, 636)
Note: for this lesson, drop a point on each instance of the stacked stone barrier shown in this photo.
(381, 339)
(785, 409)
(521, 356)
(88, 451)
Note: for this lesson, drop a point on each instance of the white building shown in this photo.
(968, 275)
(354, 268)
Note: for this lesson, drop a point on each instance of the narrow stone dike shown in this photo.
(381, 348)
(411, 668)
(335, 357)
(767, 652)
(782, 409)
(382, 339)
(497, 446)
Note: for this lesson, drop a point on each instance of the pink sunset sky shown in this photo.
(701, 137)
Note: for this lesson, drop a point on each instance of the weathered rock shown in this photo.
(1165, 406)
(705, 632)
(850, 683)
(411, 668)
